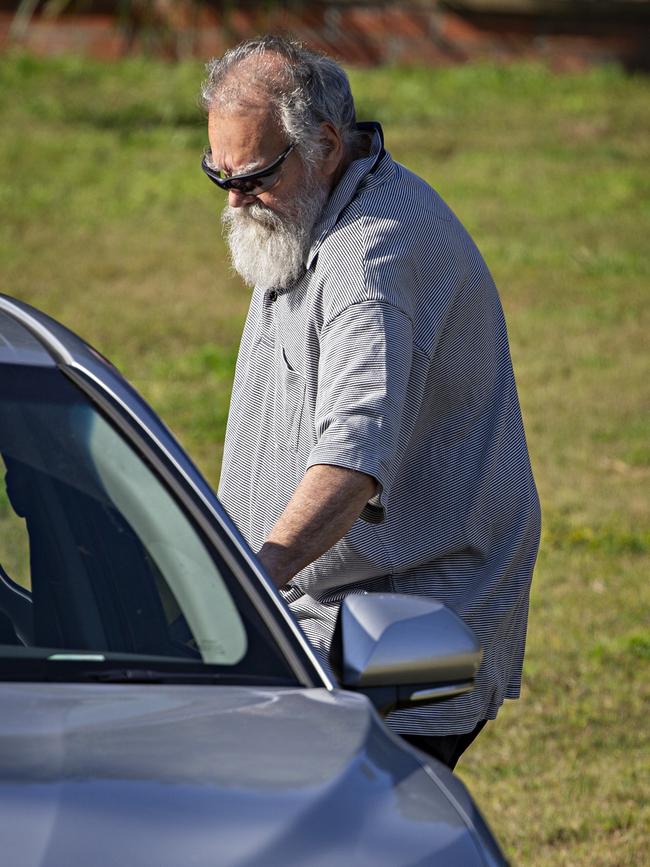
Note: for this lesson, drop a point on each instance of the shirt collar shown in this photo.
(344, 191)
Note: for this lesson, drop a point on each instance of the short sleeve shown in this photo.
(364, 368)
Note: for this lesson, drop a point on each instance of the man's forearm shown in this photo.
(324, 506)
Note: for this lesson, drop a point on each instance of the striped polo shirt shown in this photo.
(390, 356)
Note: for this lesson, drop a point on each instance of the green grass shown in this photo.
(108, 224)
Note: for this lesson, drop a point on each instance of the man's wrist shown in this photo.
(275, 559)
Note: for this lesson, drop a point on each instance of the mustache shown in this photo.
(256, 213)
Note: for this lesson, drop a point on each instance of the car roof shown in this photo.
(18, 345)
(63, 345)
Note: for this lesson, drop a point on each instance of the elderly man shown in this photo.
(374, 438)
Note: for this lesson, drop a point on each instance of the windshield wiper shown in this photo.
(148, 675)
(62, 667)
(97, 667)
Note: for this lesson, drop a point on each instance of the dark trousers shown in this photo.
(447, 748)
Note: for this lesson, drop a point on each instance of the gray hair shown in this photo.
(301, 87)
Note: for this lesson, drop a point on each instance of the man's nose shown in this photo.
(237, 199)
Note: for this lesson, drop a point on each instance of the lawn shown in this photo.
(108, 224)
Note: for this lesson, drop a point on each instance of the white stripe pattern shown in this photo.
(390, 356)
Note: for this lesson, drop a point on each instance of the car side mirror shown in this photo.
(402, 650)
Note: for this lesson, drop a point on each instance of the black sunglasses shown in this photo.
(249, 183)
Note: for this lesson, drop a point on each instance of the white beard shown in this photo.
(269, 249)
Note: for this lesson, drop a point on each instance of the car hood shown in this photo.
(219, 776)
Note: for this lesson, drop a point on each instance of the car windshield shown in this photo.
(102, 574)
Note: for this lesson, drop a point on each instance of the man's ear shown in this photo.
(334, 150)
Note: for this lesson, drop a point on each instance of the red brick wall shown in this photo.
(363, 33)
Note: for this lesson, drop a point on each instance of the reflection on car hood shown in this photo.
(219, 776)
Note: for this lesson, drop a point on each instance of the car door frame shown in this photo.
(119, 402)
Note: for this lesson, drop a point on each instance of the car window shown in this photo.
(97, 556)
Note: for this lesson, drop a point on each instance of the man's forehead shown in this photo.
(242, 137)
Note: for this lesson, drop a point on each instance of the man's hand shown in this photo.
(324, 506)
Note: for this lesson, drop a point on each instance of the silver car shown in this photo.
(160, 706)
